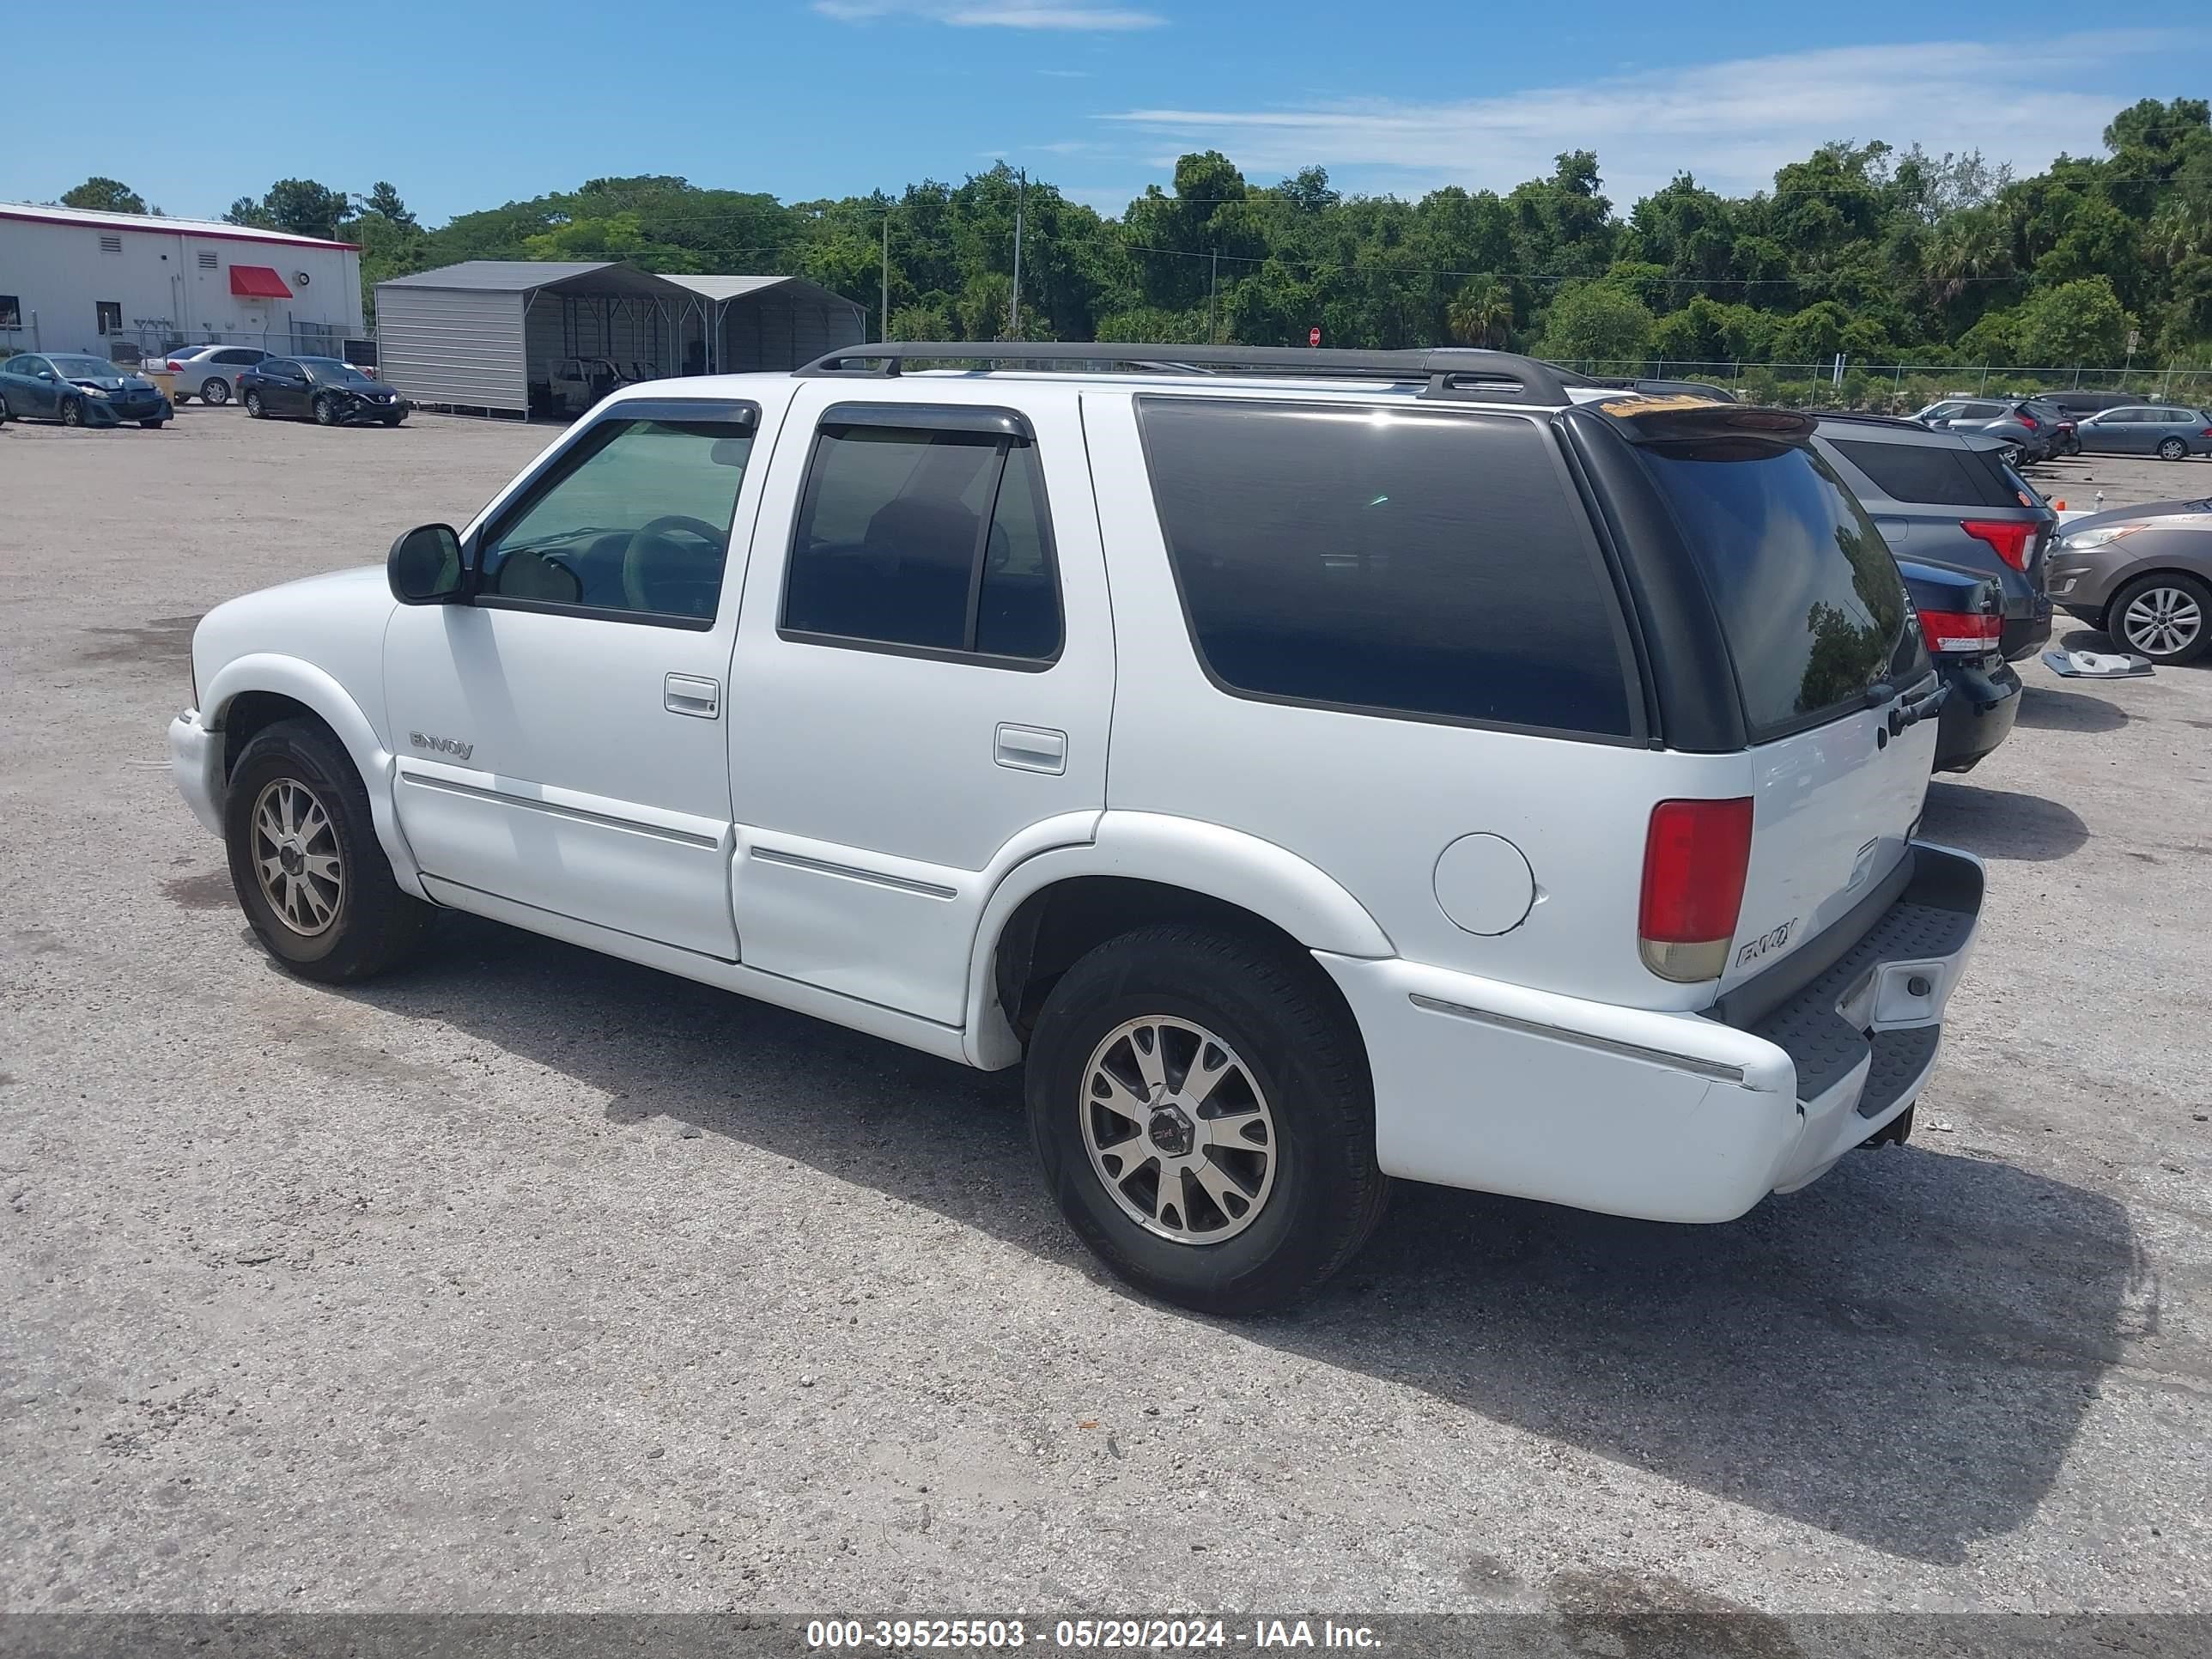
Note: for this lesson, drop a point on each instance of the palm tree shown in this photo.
(1481, 313)
(1969, 245)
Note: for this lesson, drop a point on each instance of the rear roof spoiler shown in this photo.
(1690, 420)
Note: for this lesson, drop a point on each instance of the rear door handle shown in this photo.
(688, 693)
(1032, 749)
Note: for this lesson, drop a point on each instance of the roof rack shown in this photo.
(1449, 374)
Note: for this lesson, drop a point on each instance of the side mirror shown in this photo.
(424, 567)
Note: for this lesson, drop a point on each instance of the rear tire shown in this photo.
(253, 405)
(310, 875)
(215, 390)
(2166, 617)
(1288, 1184)
(2172, 449)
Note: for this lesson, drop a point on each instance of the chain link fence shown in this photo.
(1904, 388)
(134, 342)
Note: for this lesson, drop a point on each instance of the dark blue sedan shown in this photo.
(78, 389)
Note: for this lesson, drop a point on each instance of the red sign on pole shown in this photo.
(1313, 337)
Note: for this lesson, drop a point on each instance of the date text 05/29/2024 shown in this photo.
(1107, 1635)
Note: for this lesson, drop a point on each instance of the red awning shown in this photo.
(257, 282)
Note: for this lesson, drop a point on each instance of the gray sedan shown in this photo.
(2145, 582)
(2165, 430)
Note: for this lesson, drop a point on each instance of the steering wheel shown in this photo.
(651, 540)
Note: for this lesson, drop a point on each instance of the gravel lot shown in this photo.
(528, 1280)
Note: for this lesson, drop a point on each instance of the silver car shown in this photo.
(2145, 582)
(210, 373)
(2166, 430)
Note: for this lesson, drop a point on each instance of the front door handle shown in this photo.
(1032, 749)
(688, 694)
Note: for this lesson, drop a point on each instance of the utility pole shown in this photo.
(1020, 194)
(1212, 287)
(886, 333)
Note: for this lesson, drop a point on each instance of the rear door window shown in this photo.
(930, 538)
(1933, 475)
(1428, 565)
(1807, 594)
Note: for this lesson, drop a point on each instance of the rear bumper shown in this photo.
(1862, 1035)
(1670, 1116)
(2027, 631)
(1977, 716)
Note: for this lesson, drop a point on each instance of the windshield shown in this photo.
(328, 371)
(87, 368)
(1807, 592)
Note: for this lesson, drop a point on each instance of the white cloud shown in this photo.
(1731, 123)
(1080, 16)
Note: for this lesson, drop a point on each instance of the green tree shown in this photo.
(2075, 324)
(1597, 322)
(299, 205)
(105, 194)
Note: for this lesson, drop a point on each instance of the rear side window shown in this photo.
(933, 539)
(1805, 587)
(1936, 475)
(1428, 565)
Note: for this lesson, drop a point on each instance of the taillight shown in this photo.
(1960, 631)
(173, 367)
(2009, 537)
(2028, 421)
(1696, 855)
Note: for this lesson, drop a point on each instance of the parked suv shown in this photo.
(1334, 768)
(2027, 434)
(1944, 499)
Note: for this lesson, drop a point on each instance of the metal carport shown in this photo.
(772, 322)
(512, 337)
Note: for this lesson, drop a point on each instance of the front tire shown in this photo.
(326, 410)
(215, 391)
(393, 420)
(253, 404)
(2166, 617)
(152, 426)
(1203, 1109)
(315, 885)
(2172, 449)
(72, 412)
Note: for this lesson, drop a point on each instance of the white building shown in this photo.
(74, 280)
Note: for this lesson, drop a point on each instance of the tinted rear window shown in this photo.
(1936, 475)
(1807, 594)
(1421, 564)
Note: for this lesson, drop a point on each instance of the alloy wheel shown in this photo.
(295, 857)
(2160, 621)
(72, 413)
(1179, 1130)
(216, 392)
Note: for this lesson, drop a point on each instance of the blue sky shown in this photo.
(474, 102)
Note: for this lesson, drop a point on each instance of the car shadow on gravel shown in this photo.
(2001, 823)
(1901, 1354)
(2047, 709)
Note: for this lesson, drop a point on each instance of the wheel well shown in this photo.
(251, 712)
(1055, 927)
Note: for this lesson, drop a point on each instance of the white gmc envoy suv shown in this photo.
(1314, 768)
